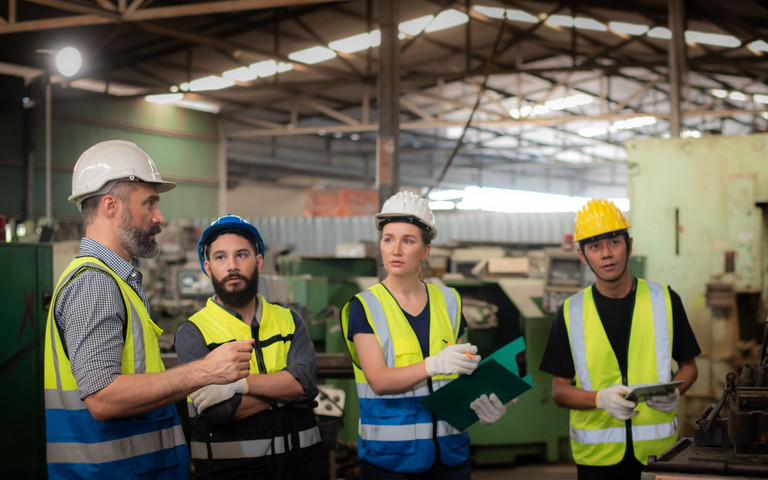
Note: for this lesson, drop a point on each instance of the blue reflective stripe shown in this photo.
(661, 331)
(578, 342)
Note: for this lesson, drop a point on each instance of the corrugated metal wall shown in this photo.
(319, 235)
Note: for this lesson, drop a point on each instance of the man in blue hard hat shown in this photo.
(262, 426)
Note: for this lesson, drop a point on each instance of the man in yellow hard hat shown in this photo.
(614, 335)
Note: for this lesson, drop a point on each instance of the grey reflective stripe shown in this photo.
(661, 331)
(380, 324)
(252, 448)
(444, 429)
(307, 438)
(618, 434)
(139, 360)
(654, 432)
(66, 399)
(114, 450)
(596, 437)
(578, 342)
(392, 433)
(421, 389)
(451, 304)
(191, 409)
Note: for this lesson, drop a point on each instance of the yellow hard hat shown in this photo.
(598, 217)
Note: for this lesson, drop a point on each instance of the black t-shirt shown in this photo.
(616, 315)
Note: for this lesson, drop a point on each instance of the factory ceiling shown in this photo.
(543, 95)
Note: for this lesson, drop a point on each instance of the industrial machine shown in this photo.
(731, 440)
(27, 287)
(533, 425)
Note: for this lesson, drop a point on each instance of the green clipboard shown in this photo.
(496, 374)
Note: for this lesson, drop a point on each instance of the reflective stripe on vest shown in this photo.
(77, 444)
(596, 437)
(253, 448)
(394, 426)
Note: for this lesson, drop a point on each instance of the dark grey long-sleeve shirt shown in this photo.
(301, 362)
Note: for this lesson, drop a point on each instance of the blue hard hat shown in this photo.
(223, 224)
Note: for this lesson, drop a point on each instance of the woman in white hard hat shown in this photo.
(403, 336)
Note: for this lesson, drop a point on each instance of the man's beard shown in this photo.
(238, 298)
(136, 240)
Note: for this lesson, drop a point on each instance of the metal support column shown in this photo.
(387, 161)
(222, 171)
(48, 140)
(676, 63)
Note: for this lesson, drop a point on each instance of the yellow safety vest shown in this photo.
(597, 438)
(395, 431)
(265, 434)
(77, 444)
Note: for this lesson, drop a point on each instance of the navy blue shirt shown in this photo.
(358, 323)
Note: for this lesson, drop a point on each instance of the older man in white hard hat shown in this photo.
(108, 399)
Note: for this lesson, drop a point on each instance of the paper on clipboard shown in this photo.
(496, 374)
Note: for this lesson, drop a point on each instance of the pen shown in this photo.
(465, 353)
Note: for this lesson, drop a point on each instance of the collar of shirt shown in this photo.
(256, 316)
(126, 271)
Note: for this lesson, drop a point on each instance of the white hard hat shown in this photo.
(406, 206)
(107, 162)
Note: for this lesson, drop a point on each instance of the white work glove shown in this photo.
(611, 399)
(453, 359)
(213, 394)
(665, 402)
(488, 409)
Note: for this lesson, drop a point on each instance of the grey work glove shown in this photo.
(213, 394)
(665, 402)
(611, 399)
(461, 358)
(489, 409)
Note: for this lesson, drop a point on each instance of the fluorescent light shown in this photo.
(634, 122)
(165, 98)
(358, 42)
(738, 96)
(211, 82)
(528, 110)
(241, 74)
(560, 21)
(625, 28)
(760, 98)
(568, 102)
(691, 134)
(758, 47)
(447, 19)
(593, 131)
(415, 26)
(719, 92)
(660, 32)
(692, 36)
(116, 89)
(491, 12)
(312, 55)
(198, 105)
(284, 67)
(265, 68)
(449, 194)
(521, 16)
(585, 23)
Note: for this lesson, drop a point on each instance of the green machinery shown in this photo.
(27, 287)
(533, 425)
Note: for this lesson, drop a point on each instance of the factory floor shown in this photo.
(526, 472)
